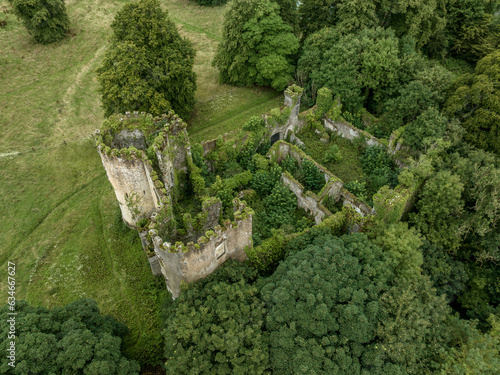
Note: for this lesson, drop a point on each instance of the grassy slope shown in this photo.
(62, 224)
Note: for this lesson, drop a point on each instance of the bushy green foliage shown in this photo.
(316, 15)
(427, 127)
(476, 102)
(148, 66)
(437, 209)
(215, 326)
(333, 155)
(279, 206)
(358, 189)
(356, 67)
(448, 275)
(74, 339)
(269, 253)
(324, 101)
(379, 167)
(289, 164)
(354, 119)
(471, 28)
(402, 246)
(332, 310)
(256, 46)
(313, 178)
(474, 352)
(254, 124)
(263, 182)
(46, 20)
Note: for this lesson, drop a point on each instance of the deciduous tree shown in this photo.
(75, 339)
(215, 326)
(256, 47)
(476, 102)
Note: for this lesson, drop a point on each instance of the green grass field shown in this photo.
(61, 222)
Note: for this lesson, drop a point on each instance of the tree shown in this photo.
(472, 29)
(427, 127)
(333, 309)
(215, 326)
(476, 102)
(315, 15)
(256, 47)
(438, 209)
(46, 20)
(148, 66)
(402, 245)
(75, 339)
(355, 67)
(474, 353)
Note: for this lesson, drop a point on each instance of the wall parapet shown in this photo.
(188, 262)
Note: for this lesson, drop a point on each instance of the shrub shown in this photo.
(253, 124)
(324, 101)
(333, 155)
(289, 164)
(266, 257)
(264, 182)
(314, 179)
(46, 20)
(357, 188)
(279, 206)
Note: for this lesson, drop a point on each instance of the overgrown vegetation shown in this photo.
(46, 20)
(420, 77)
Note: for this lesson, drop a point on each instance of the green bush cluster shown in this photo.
(269, 253)
(46, 20)
(211, 2)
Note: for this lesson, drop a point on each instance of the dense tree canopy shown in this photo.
(215, 327)
(476, 102)
(148, 66)
(45, 20)
(356, 67)
(75, 339)
(472, 29)
(257, 45)
(333, 309)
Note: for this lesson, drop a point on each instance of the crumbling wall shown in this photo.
(131, 178)
(306, 200)
(190, 262)
(172, 149)
(358, 205)
(292, 124)
(348, 131)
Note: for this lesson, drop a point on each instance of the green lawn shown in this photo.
(62, 224)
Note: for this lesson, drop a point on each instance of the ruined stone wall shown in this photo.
(358, 205)
(187, 263)
(348, 131)
(133, 185)
(306, 200)
(172, 149)
(333, 187)
(293, 124)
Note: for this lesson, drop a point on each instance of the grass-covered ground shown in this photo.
(61, 222)
(348, 169)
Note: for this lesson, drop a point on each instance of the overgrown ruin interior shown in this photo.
(184, 228)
